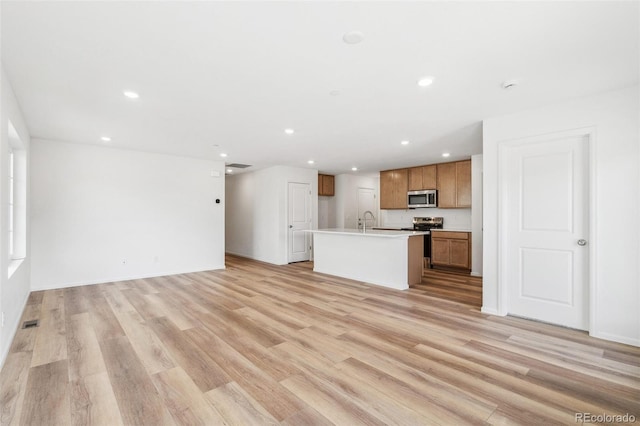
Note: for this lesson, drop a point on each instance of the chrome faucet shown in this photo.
(364, 220)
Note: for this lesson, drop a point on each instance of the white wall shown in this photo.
(14, 291)
(453, 218)
(103, 214)
(476, 215)
(256, 211)
(346, 198)
(326, 212)
(252, 215)
(616, 118)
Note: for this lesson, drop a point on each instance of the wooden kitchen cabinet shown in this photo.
(451, 249)
(326, 185)
(454, 184)
(463, 183)
(415, 179)
(394, 185)
(423, 177)
(452, 180)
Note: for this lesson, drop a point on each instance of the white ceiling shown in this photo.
(231, 76)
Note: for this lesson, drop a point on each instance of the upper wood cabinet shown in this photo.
(394, 185)
(463, 183)
(447, 185)
(423, 177)
(326, 185)
(454, 184)
(452, 180)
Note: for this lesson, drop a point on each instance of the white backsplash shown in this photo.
(453, 218)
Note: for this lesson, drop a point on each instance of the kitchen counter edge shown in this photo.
(368, 233)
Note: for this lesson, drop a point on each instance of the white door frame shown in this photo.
(592, 288)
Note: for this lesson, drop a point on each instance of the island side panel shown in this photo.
(416, 259)
(376, 260)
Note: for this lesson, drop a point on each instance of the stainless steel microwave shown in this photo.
(426, 198)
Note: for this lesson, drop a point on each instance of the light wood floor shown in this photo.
(458, 287)
(261, 344)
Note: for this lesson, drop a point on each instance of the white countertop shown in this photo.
(369, 233)
(452, 230)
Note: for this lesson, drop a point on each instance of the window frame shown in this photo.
(17, 176)
(11, 210)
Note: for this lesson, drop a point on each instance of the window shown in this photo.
(11, 203)
(16, 201)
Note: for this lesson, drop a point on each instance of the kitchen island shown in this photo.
(387, 258)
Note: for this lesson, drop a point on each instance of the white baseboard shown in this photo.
(491, 311)
(475, 274)
(616, 338)
(246, 256)
(125, 278)
(14, 327)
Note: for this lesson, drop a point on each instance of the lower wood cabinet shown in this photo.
(451, 249)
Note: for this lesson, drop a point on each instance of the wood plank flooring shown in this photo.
(454, 286)
(258, 344)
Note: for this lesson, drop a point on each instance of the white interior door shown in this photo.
(367, 201)
(299, 220)
(546, 230)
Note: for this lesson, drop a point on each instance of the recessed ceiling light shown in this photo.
(310, 161)
(404, 143)
(223, 155)
(131, 95)
(289, 131)
(445, 154)
(353, 37)
(105, 139)
(229, 170)
(355, 169)
(425, 81)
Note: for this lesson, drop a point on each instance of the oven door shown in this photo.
(427, 248)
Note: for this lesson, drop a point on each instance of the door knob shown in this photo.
(291, 226)
(582, 242)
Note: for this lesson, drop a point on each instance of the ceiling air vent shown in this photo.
(238, 165)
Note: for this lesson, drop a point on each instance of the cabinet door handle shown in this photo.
(582, 242)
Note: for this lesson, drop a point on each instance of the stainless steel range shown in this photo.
(426, 224)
